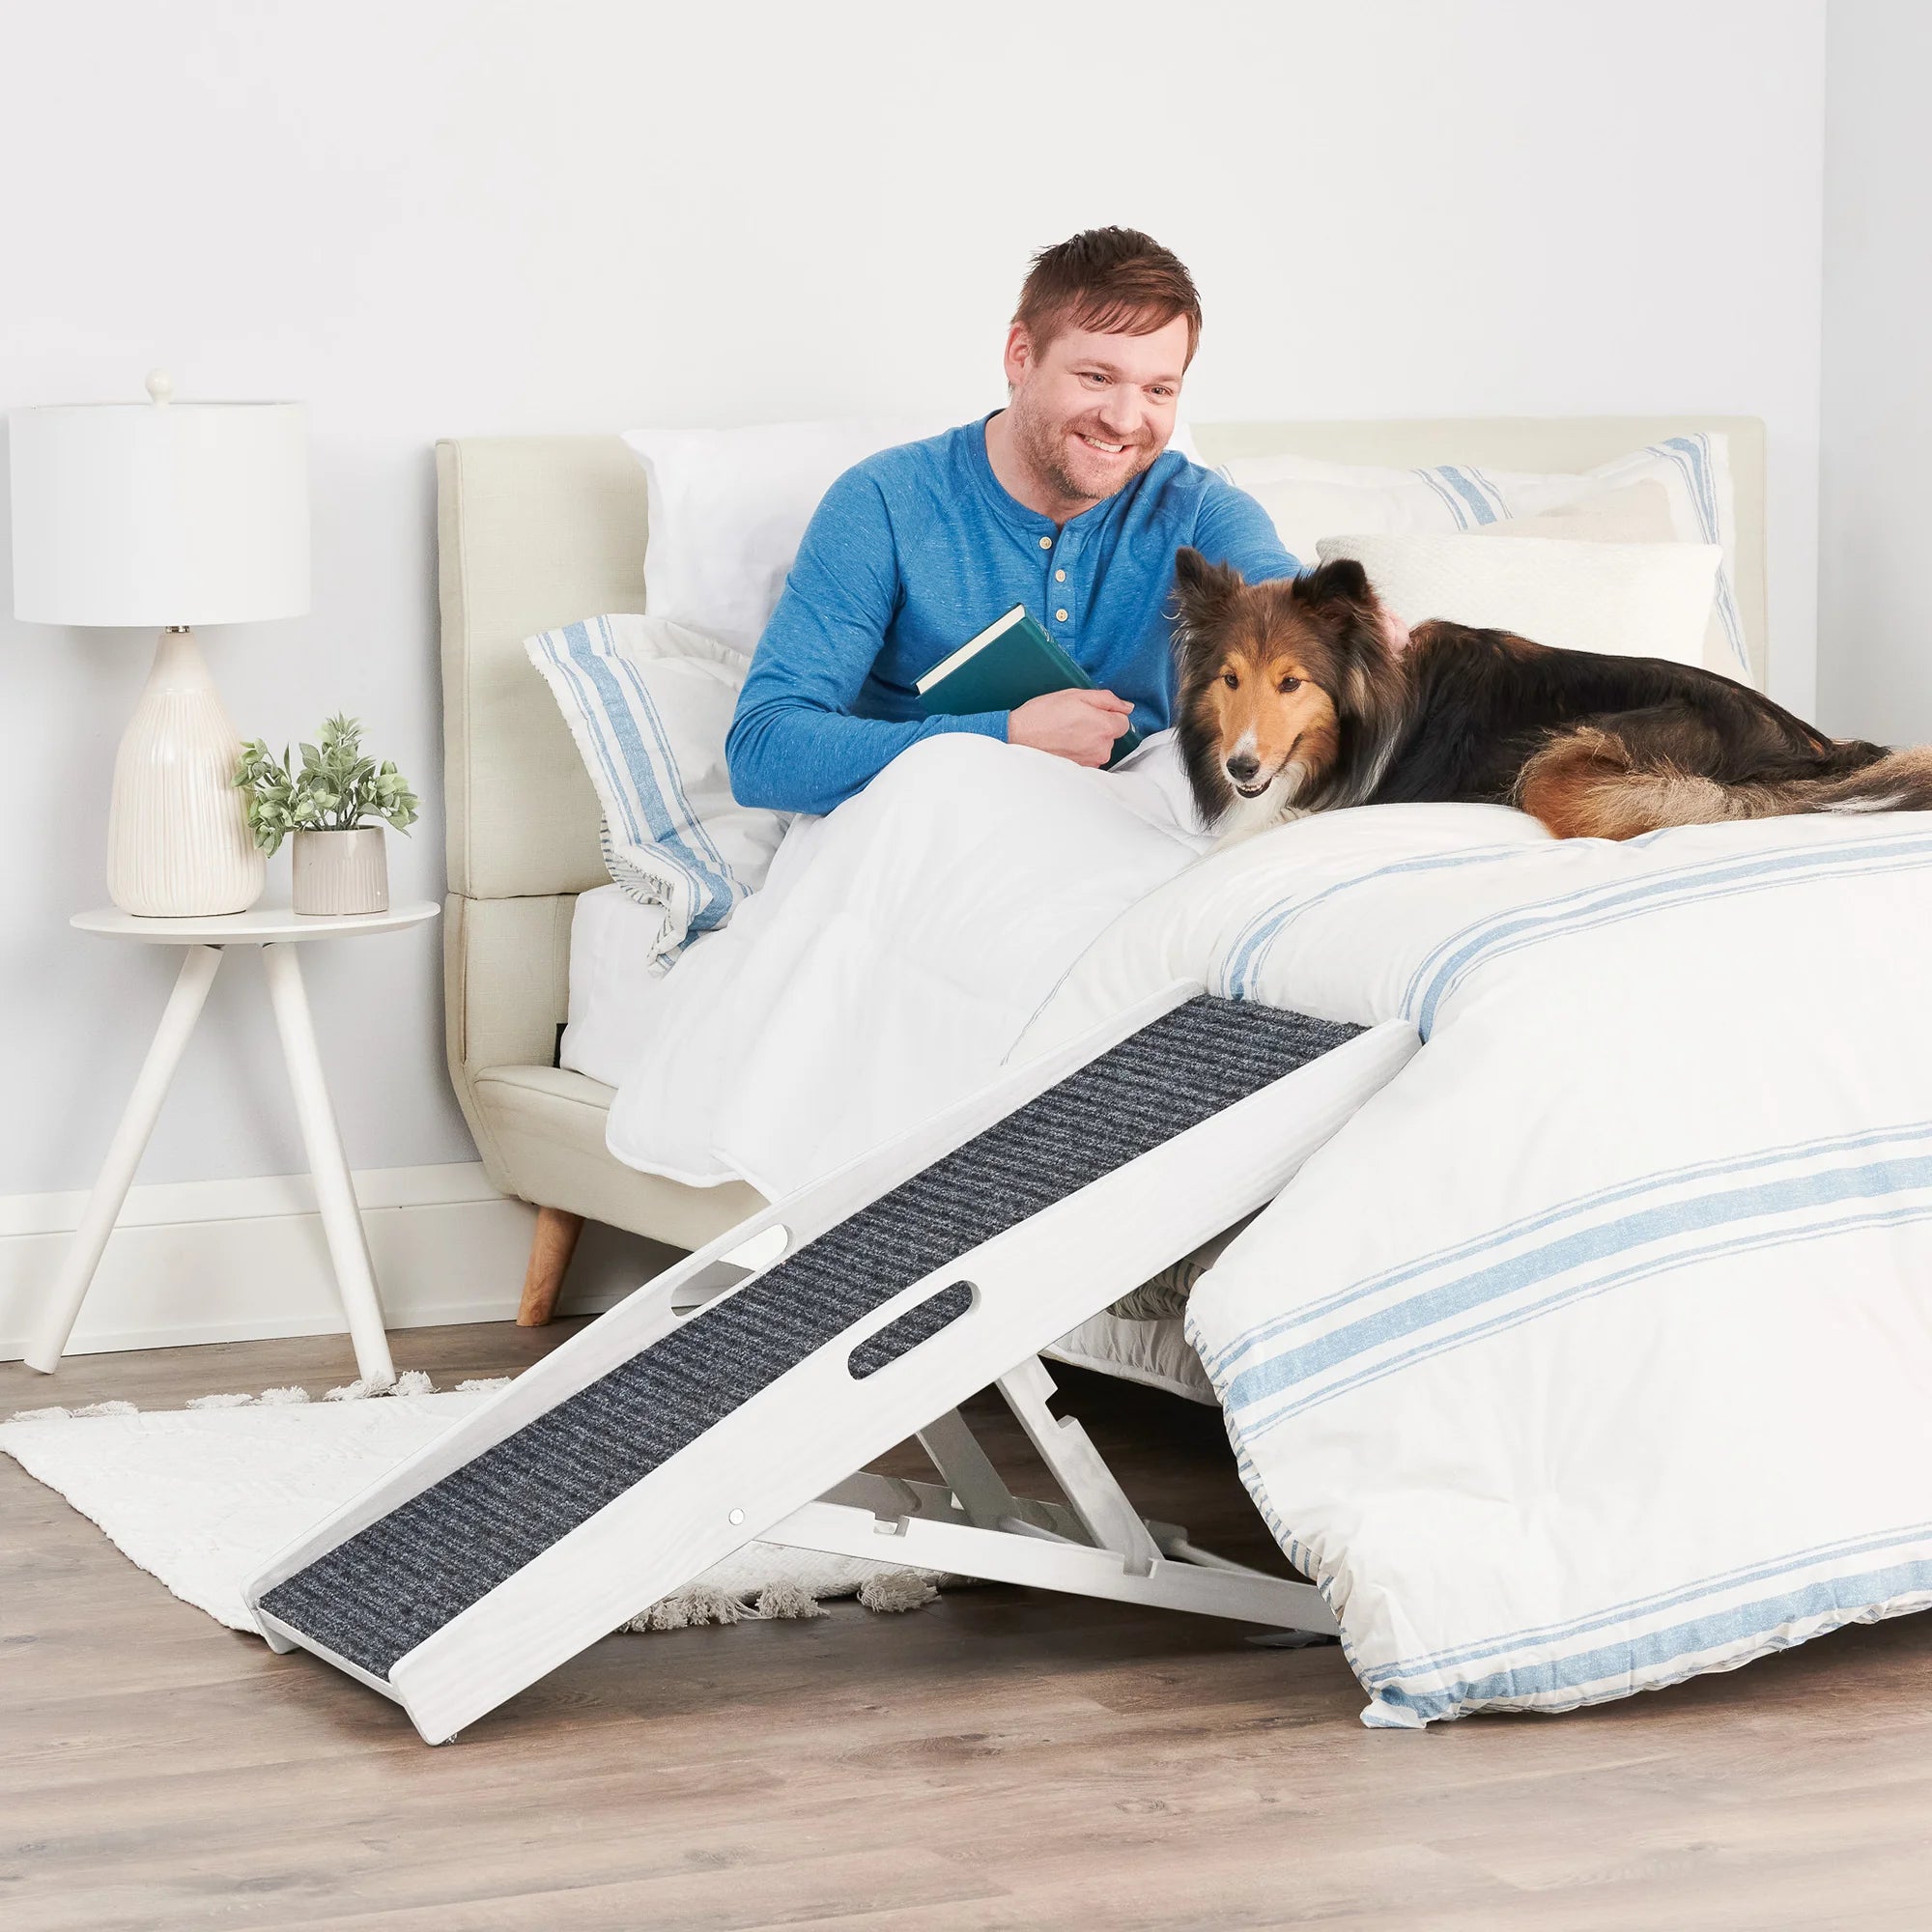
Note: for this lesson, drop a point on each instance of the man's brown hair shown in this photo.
(1111, 280)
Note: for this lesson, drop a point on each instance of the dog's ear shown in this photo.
(1341, 581)
(1341, 594)
(1202, 586)
(1203, 595)
(1369, 642)
(1366, 641)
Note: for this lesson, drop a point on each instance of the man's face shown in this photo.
(1091, 412)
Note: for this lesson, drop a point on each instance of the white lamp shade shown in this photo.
(154, 514)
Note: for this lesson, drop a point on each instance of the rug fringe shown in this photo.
(702, 1604)
(56, 1413)
(898, 1590)
(412, 1382)
(891, 1593)
(788, 1600)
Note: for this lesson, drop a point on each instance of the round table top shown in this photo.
(253, 927)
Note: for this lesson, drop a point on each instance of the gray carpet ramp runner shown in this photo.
(380, 1593)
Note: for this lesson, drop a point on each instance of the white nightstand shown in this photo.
(277, 931)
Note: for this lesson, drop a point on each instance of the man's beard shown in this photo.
(1044, 447)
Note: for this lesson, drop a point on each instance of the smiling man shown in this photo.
(1067, 500)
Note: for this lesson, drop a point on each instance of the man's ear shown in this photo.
(1019, 352)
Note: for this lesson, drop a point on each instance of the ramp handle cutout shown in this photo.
(920, 1324)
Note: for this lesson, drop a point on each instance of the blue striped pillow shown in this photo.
(648, 703)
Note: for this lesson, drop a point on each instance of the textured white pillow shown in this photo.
(1640, 600)
(648, 703)
(728, 509)
(1309, 501)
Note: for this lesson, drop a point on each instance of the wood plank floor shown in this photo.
(998, 1759)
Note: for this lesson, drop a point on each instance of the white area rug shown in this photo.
(203, 1497)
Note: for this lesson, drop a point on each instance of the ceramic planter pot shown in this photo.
(342, 872)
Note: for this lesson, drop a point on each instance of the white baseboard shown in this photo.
(228, 1260)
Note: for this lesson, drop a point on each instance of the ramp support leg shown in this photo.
(978, 1488)
(1093, 1544)
(1111, 1522)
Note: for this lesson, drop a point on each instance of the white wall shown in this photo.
(441, 217)
(1875, 594)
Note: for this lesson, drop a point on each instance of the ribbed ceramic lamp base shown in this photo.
(178, 844)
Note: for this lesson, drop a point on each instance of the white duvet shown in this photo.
(1596, 1350)
(896, 950)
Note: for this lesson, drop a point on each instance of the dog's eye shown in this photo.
(1291, 684)
(1229, 679)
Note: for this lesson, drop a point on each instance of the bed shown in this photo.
(537, 531)
(1590, 1352)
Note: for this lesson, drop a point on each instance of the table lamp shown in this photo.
(166, 514)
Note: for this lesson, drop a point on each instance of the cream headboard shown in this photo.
(538, 531)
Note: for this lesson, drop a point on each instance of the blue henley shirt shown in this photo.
(914, 550)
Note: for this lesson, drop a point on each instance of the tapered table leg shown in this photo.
(341, 1219)
(123, 1155)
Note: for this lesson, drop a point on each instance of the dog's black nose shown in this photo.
(1241, 768)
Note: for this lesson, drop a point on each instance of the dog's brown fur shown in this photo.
(1297, 696)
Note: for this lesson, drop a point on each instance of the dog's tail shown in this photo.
(1591, 784)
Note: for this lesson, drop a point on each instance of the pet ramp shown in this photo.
(667, 1435)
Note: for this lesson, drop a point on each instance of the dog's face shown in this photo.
(1278, 683)
(1264, 694)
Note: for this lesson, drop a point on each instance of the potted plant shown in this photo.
(341, 861)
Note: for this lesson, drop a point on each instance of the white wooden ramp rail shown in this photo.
(668, 1434)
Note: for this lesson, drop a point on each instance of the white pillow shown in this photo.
(648, 703)
(1633, 600)
(729, 507)
(1637, 513)
(1309, 501)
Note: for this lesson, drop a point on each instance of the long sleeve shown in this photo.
(1232, 527)
(795, 744)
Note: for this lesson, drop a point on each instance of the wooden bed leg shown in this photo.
(551, 1249)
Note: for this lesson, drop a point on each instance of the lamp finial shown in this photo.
(160, 386)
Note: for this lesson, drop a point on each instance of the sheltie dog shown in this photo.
(1304, 695)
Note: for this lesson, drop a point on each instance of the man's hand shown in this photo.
(1077, 725)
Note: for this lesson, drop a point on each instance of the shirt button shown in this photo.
(1060, 616)
(1059, 577)
(1046, 543)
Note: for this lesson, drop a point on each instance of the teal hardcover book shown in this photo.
(1009, 662)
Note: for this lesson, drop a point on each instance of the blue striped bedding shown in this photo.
(1596, 1350)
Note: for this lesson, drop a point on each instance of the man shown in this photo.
(1067, 500)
